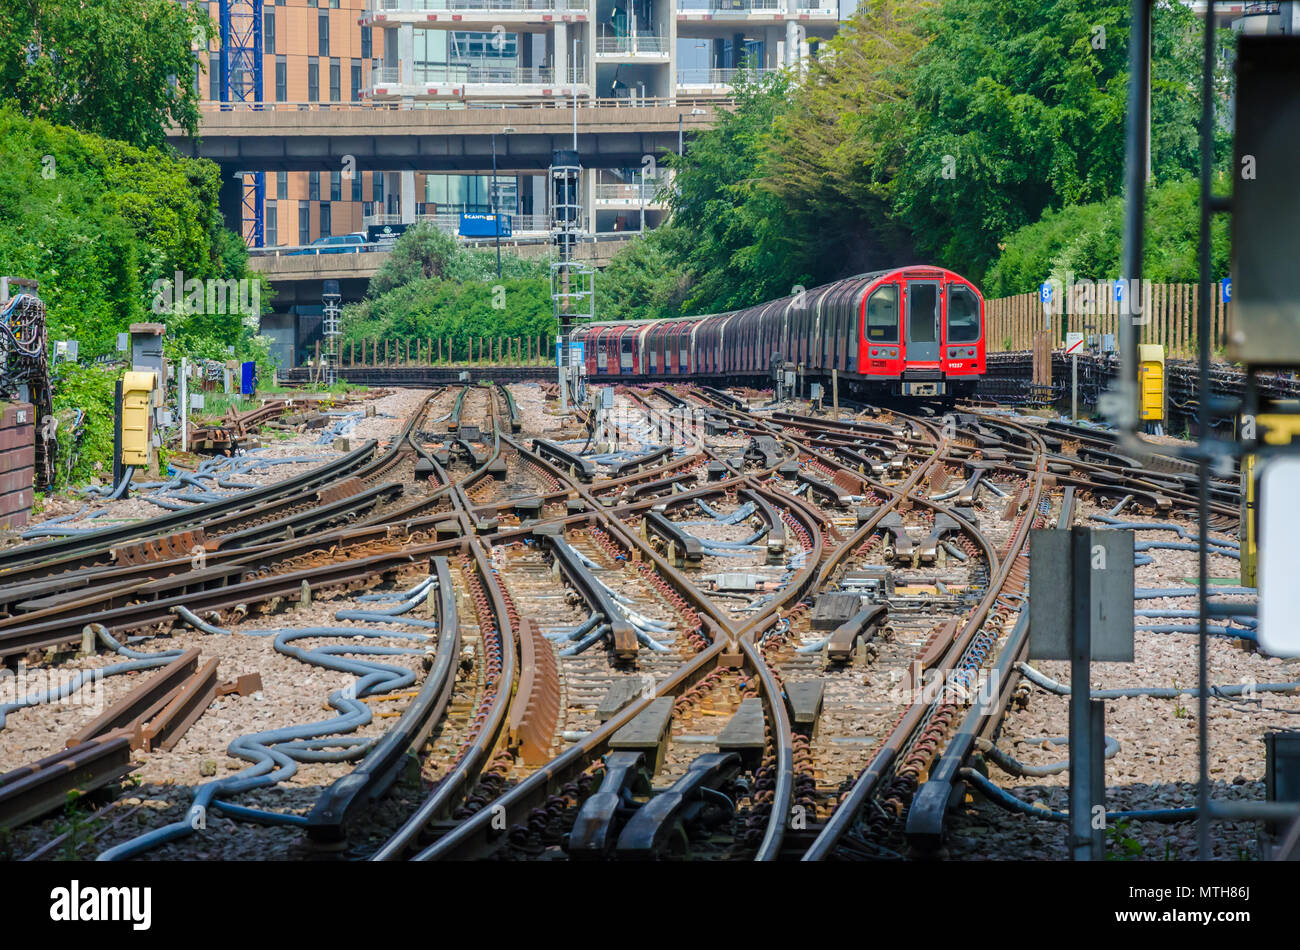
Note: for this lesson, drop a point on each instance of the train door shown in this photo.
(923, 321)
(626, 342)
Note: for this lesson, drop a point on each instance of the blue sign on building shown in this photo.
(1227, 289)
(476, 224)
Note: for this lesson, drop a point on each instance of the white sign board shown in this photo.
(1279, 557)
(1073, 344)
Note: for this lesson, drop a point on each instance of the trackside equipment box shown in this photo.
(17, 462)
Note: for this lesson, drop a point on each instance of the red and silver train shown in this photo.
(912, 331)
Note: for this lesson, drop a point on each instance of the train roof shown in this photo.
(868, 276)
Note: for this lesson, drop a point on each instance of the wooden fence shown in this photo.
(432, 351)
(1168, 315)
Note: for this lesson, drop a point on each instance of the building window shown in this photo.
(335, 91)
(304, 222)
(323, 32)
(268, 31)
(282, 185)
(269, 235)
(214, 77)
(365, 43)
(356, 81)
(336, 186)
(281, 79)
(356, 186)
(377, 179)
(313, 186)
(325, 219)
(313, 81)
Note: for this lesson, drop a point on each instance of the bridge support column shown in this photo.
(230, 198)
(408, 197)
(560, 53)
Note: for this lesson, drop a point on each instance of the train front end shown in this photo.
(921, 333)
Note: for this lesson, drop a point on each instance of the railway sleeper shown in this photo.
(610, 806)
(683, 548)
(669, 815)
(903, 545)
(860, 627)
(582, 469)
(944, 525)
(831, 494)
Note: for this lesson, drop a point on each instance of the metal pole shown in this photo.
(185, 405)
(1074, 387)
(1135, 176)
(117, 432)
(496, 217)
(574, 67)
(1097, 756)
(1081, 780)
(1203, 850)
(679, 135)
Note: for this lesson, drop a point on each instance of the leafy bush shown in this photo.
(97, 222)
(1087, 241)
(430, 287)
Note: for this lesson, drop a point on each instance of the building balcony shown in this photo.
(630, 195)
(756, 11)
(462, 14)
(642, 46)
(476, 81)
(709, 82)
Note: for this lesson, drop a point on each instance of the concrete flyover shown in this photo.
(318, 136)
(298, 279)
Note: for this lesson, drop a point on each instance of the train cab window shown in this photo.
(963, 315)
(882, 315)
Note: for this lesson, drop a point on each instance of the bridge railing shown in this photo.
(702, 103)
(476, 6)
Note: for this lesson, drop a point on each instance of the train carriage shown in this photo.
(913, 331)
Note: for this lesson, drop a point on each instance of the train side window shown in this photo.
(963, 315)
(852, 312)
(625, 350)
(882, 315)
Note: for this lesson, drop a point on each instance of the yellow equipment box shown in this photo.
(137, 404)
(1275, 428)
(1151, 379)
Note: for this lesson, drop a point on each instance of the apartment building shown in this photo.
(452, 54)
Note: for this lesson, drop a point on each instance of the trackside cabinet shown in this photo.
(1151, 381)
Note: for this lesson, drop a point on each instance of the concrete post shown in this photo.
(408, 196)
(560, 61)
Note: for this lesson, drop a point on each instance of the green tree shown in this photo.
(1086, 241)
(1012, 110)
(119, 68)
(646, 279)
(97, 222)
(734, 238)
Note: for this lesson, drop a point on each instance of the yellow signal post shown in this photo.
(137, 410)
(1275, 429)
(1151, 379)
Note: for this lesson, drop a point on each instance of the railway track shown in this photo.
(697, 629)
